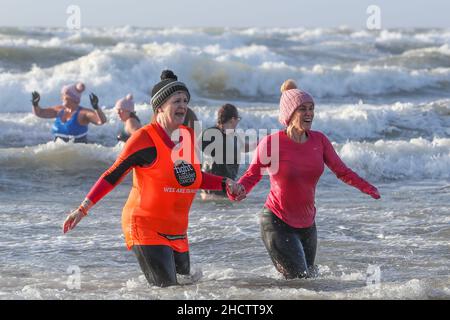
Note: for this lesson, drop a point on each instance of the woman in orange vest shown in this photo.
(166, 177)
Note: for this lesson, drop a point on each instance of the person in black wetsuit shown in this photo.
(131, 122)
(222, 147)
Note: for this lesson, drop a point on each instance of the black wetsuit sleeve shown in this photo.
(208, 137)
(141, 158)
(139, 151)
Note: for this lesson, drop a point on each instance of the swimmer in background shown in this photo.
(71, 120)
(223, 160)
(126, 113)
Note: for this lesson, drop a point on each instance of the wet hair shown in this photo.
(226, 113)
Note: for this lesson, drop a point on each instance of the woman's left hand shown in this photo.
(373, 192)
(235, 191)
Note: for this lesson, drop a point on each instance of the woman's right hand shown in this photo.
(94, 101)
(72, 220)
(375, 193)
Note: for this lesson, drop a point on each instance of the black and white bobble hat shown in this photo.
(168, 85)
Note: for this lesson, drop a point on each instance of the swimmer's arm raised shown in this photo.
(47, 113)
(96, 116)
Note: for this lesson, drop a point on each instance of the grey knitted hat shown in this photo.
(168, 85)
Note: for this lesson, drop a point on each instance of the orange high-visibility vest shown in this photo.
(162, 193)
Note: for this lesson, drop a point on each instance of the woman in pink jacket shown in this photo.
(294, 159)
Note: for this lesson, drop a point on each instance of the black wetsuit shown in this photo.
(161, 264)
(77, 140)
(222, 166)
(123, 135)
(292, 250)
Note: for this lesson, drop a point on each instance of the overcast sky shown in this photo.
(227, 13)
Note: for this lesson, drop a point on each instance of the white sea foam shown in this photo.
(59, 155)
(111, 73)
(224, 63)
(398, 138)
(416, 158)
(340, 122)
(405, 159)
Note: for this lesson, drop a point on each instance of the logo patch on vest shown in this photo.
(184, 172)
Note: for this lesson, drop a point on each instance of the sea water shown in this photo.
(382, 98)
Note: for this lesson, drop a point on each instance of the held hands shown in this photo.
(35, 97)
(94, 101)
(235, 191)
(72, 220)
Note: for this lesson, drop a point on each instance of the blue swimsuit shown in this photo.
(69, 130)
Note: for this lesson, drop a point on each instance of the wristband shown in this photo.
(83, 210)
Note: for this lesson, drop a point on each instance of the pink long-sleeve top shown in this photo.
(294, 170)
